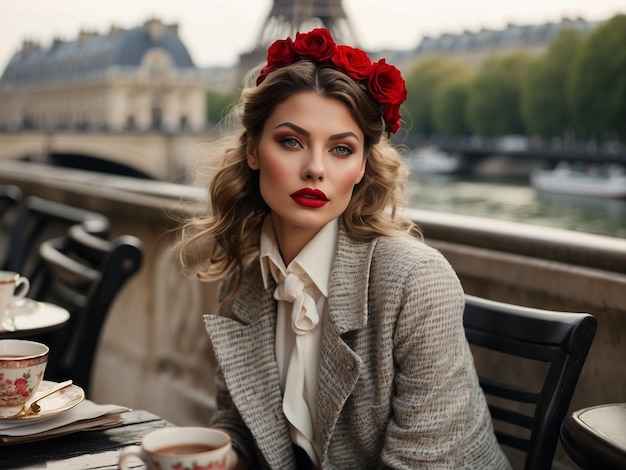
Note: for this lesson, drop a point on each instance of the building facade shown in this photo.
(473, 47)
(140, 79)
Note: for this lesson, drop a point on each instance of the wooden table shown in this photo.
(82, 450)
(595, 437)
(44, 318)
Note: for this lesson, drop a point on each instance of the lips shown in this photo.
(308, 197)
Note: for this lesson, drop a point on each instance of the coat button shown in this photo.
(350, 367)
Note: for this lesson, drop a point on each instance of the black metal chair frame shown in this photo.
(38, 219)
(561, 339)
(10, 198)
(84, 274)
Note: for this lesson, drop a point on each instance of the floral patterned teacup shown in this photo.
(181, 448)
(22, 364)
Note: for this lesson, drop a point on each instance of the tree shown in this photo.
(421, 83)
(493, 106)
(450, 105)
(544, 98)
(218, 104)
(597, 85)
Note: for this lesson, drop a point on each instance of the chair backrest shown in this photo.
(84, 275)
(526, 416)
(37, 220)
(10, 196)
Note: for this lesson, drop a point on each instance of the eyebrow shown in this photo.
(306, 133)
(294, 127)
(343, 136)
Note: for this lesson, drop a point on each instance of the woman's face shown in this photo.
(309, 157)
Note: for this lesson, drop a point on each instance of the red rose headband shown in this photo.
(383, 81)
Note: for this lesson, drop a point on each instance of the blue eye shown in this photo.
(290, 142)
(343, 150)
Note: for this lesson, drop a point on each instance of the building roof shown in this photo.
(91, 54)
(513, 35)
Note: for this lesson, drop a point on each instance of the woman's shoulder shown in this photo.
(399, 249)
(410, 258)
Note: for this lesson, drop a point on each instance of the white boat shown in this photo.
(600, 181)
(432, 160)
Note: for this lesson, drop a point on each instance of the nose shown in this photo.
(314, 169)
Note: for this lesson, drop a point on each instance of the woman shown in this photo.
(339, 336)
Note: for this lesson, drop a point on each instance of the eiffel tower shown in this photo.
(288, 17)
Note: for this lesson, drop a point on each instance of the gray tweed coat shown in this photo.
(397, 385)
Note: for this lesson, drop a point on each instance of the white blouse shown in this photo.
(301, 292)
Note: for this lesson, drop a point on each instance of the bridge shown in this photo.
(154, 155)
(524, 148)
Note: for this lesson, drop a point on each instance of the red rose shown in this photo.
(264, 71)
(386, 84)
(353, 62)
(317, 45)
(391, 115)
(280, 53)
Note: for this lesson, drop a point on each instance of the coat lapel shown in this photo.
(244, 347)
(347, 300)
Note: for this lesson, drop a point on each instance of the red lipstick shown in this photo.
(308, 197)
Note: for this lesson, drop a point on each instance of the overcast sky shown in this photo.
(217, 31)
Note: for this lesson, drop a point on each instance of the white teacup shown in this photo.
(22, 364)
(174, 448)
(12, 286)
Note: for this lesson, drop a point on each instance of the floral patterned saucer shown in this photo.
(52, 405)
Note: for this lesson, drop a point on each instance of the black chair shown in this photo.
(84, 274)
(526, 416)
(39, 219)
(10, 196)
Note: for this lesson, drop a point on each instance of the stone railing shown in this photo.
(154, 353)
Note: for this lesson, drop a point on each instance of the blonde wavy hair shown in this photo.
(222, 241)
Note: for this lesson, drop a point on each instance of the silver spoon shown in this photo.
(31, 406)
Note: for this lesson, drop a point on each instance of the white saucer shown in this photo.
(22, 305)
(52, 405)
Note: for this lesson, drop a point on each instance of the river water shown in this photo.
(514, 199)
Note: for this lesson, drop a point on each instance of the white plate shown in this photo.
(47, 315)
(52, 405)
(22, 305)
